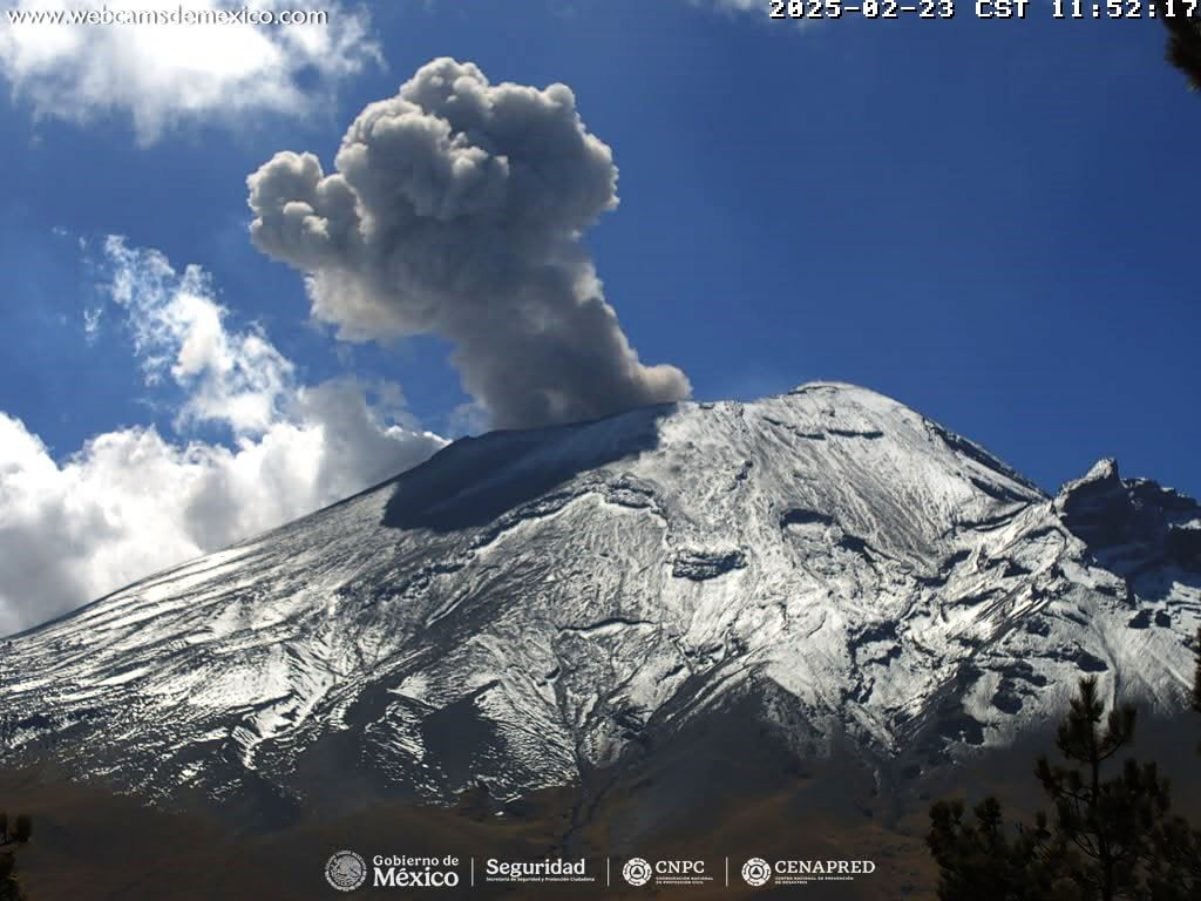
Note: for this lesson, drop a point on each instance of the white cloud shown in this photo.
(161, 74)
(131, 501)
(178, 329)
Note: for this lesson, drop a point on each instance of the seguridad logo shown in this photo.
(638, 871)
(547, 870)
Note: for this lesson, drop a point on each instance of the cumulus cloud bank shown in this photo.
(456, 208)
(131, 501)
(161, 74)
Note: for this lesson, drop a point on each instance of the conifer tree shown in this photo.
(1108, 837)
(979, 861)
(1102, 823)
(1183, 25)
(1176, 873)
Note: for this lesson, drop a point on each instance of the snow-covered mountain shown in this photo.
(527, 607)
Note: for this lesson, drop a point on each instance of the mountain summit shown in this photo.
(528, 607)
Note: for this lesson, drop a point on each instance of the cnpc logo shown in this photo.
(639, 871)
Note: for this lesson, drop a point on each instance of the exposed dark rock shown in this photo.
(701, 565)
(1130, 523)
(801, 517)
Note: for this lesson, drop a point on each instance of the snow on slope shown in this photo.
(527, 605)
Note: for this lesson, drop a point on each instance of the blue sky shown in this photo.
(993, 222)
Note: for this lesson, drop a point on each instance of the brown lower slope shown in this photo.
(707, 796)
(91, 844)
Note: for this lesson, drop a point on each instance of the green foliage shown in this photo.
(980, 861)
(1109, 836)
(1174, 873)
(1105, 822)
(1184, 40)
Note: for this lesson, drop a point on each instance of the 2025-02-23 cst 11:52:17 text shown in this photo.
(800, 10)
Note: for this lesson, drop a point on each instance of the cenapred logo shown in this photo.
(345, 871)
(756, 872)
(636, 871)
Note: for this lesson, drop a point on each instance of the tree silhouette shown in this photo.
(1108, 837)
(1179, 843)
(980, 862)
(1103, 824)
(1184, 39)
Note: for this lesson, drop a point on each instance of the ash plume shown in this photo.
(456, 208)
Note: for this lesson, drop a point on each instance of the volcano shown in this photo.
(825, 572)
